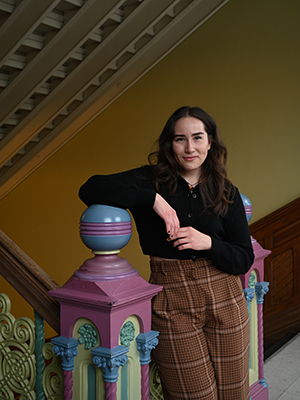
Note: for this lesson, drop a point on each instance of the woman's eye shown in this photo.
(179, 140)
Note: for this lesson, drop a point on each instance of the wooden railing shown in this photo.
(29, 280)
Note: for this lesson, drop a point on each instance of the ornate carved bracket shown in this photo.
(66, 348)
(261, 288)
(109, 360)
(145, 343)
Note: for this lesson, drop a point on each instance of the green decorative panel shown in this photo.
(129, 382)
(252, 280)
(127, 333)
(88, 381)
(53, 378)
(88, 336)
(17, 359)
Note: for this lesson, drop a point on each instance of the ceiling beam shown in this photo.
(77, 81)
(166, 35)
(55, 53)
(21, 23)
(161, 45)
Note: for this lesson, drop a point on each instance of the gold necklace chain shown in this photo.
(193, 184)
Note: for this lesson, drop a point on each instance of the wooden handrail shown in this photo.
(30, 281)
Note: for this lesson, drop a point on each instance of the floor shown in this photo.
(282, 372)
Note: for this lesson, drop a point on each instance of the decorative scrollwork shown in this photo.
(16, 354)
(5, 304)
(24, 332)
(53, 377)
(6, 319)
(156, 392)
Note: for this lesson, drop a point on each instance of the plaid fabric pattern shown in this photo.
(202, 317)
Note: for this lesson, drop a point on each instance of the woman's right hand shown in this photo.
(167, 213)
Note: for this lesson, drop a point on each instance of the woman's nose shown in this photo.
(189, 146)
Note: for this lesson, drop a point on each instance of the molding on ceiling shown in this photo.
(64, 62)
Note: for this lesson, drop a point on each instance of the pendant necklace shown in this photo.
(192, 185)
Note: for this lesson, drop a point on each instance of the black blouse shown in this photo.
(231, 249)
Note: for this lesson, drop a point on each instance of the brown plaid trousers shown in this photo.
(202, 317)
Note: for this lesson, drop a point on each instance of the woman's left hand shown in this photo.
(190, 238)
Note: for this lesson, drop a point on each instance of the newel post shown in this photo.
(255, 288)
(110, 305)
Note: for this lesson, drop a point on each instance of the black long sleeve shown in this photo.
(126, 189)
(231, 250)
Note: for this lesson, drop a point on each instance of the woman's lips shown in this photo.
(189, 158)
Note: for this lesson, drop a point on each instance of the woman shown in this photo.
(192, 224)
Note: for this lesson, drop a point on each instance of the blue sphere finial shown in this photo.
(104, 228)
(248, 206)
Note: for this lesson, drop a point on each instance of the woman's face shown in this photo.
(190, 146)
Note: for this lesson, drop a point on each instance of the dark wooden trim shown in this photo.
(291, 210)
(280, 233)
(30, 280)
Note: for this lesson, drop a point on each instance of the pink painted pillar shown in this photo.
(66, 348)
(261, 288)
(145, 382)
(68, 385)
(146, 342)
(259, 390)
(106, 289)
(110, 391)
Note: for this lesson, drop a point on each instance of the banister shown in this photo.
(30, 281)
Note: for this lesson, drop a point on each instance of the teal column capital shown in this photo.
(249, 294)
(109, 360)
(145, 343)
(261, 288)
(66, 348)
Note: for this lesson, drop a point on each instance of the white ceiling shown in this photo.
(62, 62)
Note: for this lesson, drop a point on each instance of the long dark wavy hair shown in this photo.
(215, 187)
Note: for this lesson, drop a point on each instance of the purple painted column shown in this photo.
(68, 385)
(146, 342)
(66, 348)
(261, 288)
(110, 391)
(145, 382)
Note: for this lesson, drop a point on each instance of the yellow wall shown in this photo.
(242, 66)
